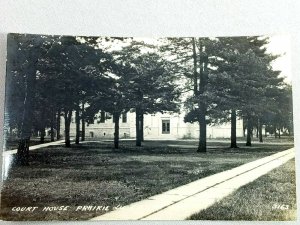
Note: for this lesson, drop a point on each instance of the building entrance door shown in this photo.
(165, 126)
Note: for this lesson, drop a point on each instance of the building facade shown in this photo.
(156, 126)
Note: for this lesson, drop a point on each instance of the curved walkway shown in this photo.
(7, 156)
(183, 201)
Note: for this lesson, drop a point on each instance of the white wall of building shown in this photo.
(153, 128)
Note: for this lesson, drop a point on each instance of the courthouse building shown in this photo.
(156, 126)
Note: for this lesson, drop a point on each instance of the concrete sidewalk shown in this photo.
(182, 202)
(34, 147)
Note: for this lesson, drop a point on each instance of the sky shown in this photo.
(281, 44)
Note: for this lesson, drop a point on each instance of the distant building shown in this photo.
(156, 126)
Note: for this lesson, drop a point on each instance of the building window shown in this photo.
(91, 134)
(165, 126)
(124, 117)
(102, 117)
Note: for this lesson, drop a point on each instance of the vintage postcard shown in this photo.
(131, 128)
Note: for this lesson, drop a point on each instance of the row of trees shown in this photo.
(219, 80)
(54, 76)
(233, 76)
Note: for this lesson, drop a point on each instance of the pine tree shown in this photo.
(150, 82)
(24, 54)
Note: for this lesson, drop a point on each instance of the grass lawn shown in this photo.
(97, 175)
(271, 197)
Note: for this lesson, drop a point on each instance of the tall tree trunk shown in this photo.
(68, 116)
(202, 104)
(23, 152)
(58, 124)
(202, 138)
(233, 129)
(244, 126)
(77, 120)
(142, 126)
(117, 130)
(43, 127)
(137, 128)
(52, 124)
(260, 131)
(25, 131)
(265, 131)
(82, 123)
(279, 133)
(249, 127)
(43, 133)
(195, 81)
(202, 130)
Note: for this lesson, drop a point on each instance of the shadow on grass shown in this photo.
(97, 174)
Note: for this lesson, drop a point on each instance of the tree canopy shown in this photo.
(212, 80)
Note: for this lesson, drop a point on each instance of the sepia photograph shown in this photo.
(136, 128)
